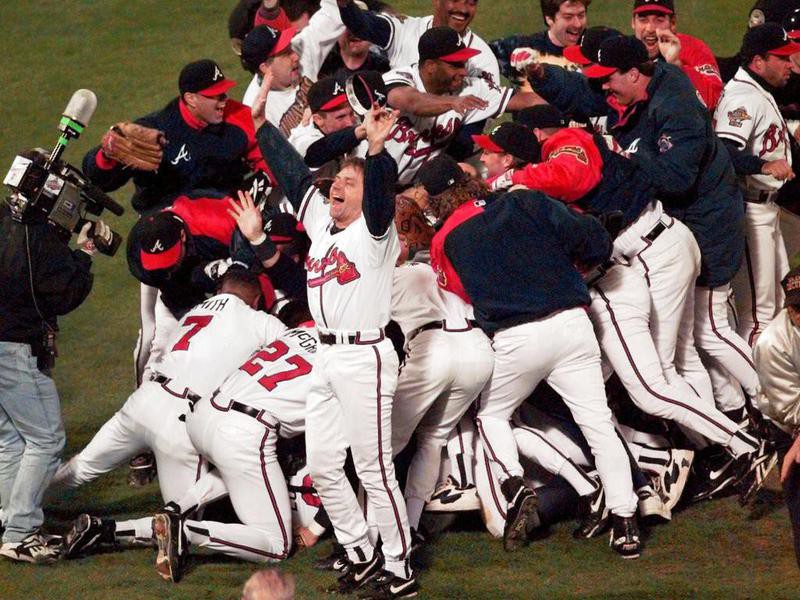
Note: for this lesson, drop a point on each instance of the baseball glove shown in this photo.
(412, 226)
(134, 145)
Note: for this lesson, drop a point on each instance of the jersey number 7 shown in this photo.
(270, 354)
(195, 323)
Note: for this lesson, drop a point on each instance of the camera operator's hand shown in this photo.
(85, 242)
(103, 235)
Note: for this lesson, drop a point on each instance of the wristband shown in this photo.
(260, 240)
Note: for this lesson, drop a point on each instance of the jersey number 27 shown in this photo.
(275, 351)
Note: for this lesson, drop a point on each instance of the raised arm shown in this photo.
(569, 92)
(287, 166)
(365, 24)
(380, 172)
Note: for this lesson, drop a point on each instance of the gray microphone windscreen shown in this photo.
(81, 106)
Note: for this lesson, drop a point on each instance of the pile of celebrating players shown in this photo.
(357, 276)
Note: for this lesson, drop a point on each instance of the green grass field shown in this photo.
(130, 53)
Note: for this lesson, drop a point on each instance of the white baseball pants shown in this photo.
(756, 286)
(442, 375)
(243, 450)
(621, 314)
(562, 350)
(149, 419)
(350, 404)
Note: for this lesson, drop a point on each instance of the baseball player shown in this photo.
(528, 307)
(333, 132)
(436, 99)
(236, 429)
(212, 340)
(211, 146)
(448, 362)
(749, 121)
(294, 61)
(354, 246)
(667, 133)
(399, 35)
(631, 319)
(509, 146)
(654, 23)
(565, 21)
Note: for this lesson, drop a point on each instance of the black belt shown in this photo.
(255, 413)
(655, 232)
(186, 394)
(244, 409)
(762, 197)
(443, 325)
(330, 339)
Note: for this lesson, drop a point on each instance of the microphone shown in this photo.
(76, 117)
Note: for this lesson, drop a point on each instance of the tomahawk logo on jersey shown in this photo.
(352, 258)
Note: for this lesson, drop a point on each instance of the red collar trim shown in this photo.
(190, 119)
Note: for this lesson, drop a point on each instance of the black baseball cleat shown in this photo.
(87, 534)
(418, 540)
(594, 514)
(522, 517)
(171, 542)
(357, 575)
(719, 475)
(387, 586)
(762, 461)
(624, 538)
(336, 561)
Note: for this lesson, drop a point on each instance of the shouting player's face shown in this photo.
(456, 14)
(285, 70)
(208, 109)
(566, 27)
(346, 196)
(645, 28)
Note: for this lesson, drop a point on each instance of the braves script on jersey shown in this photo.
(339, 294)
(415, 140)
(223, 321)
(748, 115)
(276, 378)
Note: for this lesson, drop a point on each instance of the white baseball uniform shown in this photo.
(415, 140)
(236, 429)
(313, 44)
(448, 362)
(403, 49)
(350, 403)
(212, 340)
(748, 115)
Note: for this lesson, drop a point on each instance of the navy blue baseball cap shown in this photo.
(585, 52)
(769, 38)
(619, 53)
(203, 77)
